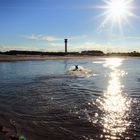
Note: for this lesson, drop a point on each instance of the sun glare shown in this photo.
(117, 8)
(115, 104)
(117, 11)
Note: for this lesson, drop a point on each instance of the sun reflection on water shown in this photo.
(115, 104)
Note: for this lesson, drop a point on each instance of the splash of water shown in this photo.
(80, 72)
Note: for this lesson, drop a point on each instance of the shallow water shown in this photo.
(47, 103)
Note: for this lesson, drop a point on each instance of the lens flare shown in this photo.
(119, 9)
(117, 12)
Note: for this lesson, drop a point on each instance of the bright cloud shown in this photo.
(132, 37)
(56, 44)
(21, 47)
(42, 37)
(47, 48)
(103, 47)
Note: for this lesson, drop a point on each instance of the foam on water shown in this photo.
(81, 72)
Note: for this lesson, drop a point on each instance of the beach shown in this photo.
(40, 57)
(53, 57)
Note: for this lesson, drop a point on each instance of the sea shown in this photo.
(42, 100)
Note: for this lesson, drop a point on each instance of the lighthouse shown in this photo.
(66, 41)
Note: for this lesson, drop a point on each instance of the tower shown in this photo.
(66, 41)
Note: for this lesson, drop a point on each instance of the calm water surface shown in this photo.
(46, 103)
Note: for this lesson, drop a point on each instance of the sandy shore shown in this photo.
(45, 57)
(39, 57)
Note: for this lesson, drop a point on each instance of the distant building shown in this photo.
(66, 41)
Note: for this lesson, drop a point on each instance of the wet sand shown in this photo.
(40, 57)
(47, 57)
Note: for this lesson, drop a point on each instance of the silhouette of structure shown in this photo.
(66, 41)
(83, 53)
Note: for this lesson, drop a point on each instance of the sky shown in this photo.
(42, 25)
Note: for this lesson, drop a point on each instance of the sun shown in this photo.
(117, 11)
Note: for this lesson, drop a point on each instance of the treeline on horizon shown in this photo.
(87, 52)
